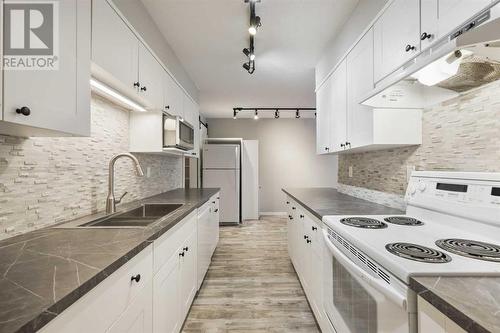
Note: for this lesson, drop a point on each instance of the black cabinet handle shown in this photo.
(425, 36)
(301, 216)
(327, 148)
(181, 254)
(167, 107)
(290, 217)
(136, 278)
(185, 249)
(25, 111)
(293, 208)
(342, 145)
(308, 241)
(314, 228)
(144, 88)
(409, 48)
(216, 210)
(348, 144)
(288, 202)
(137, 84)
(218, 198)
(213, 202)
(306, 237)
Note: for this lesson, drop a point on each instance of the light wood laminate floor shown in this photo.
(251, 285)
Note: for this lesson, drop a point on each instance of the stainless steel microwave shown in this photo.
(177, 133)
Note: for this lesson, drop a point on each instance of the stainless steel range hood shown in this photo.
(464, 60)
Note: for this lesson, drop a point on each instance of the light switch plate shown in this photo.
(148, 172)
(350, 171)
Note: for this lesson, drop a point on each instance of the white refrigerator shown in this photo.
(221, 168)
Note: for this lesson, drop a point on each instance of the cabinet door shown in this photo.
(397, 29)
(338, 108)
(138, 318)
(166, 301)
(173, 96)
(441, 17)
(205, 235)
(115, 49)
(58, 100)
(188, 275)
(150, 79)
(323, 97)
(359, 83)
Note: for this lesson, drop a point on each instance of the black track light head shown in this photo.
(246, 51)
(246, 66)
(297, 114)
(234, 113)
(276, 114)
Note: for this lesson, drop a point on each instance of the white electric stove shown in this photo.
(451, 227)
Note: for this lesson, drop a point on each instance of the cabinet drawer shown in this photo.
(165, 246)
(101, 307)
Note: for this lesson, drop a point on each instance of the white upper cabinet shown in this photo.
(338, 108)
(441, 17)
(323, 98)
(396, 36)
(115, 48)
(54, 102)
(359, 83)
(173, 96)
(150, 79)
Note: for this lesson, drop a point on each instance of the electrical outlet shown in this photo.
(409, 170)
(350, 171)
(148, 172)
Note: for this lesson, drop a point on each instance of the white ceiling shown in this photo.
(208, 37)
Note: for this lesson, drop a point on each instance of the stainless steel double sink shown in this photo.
(138, 217)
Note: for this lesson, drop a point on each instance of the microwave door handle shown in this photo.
(383, 288)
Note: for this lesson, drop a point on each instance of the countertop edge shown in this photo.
(457, 316)
(61, 305)
(309, 209)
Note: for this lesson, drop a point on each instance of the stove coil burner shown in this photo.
(471, 249)
(403, 220)
(363, 222)
(418, 253)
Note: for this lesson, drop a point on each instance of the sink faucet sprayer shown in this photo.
(110, 201)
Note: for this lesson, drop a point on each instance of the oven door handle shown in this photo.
(382, 287)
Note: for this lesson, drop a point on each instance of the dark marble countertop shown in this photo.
(473, 303)
(45, 271)
(323, 201)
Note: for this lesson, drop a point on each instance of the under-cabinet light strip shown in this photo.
(104, 89)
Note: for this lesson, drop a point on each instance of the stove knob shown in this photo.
(412, 189)
(422, 187)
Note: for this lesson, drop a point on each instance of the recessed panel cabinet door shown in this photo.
(359, 83)
(57, 99)
(115, 49)
(338, 108)
(150, 79)
(441, 17)
(166, 293)
(189, 284)
(138, 318)
(323, 97)
(396, 36)
(173, 96)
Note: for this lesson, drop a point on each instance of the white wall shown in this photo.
(138, 16)
(287, 155)
(363, 14)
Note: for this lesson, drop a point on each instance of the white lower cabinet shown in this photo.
(305, 246)
(432, 320)
(151, 293)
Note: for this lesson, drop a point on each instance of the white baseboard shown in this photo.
(273, 213)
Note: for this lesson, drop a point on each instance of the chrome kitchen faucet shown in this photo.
(111, 201)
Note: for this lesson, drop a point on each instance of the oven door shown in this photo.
(358, 302)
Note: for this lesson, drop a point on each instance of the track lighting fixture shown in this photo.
(255, 22)
(234, 113)
(297, 114)
(274, 111)
(256, 116)
(276, 114)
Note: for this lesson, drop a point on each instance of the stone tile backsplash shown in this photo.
(49, 180)
(461, 134)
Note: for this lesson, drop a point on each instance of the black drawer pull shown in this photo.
(314, 228)
(216, 210)
(308, 241)
(301, 216)
(136, 278)
(182, 254)
(185, 249)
